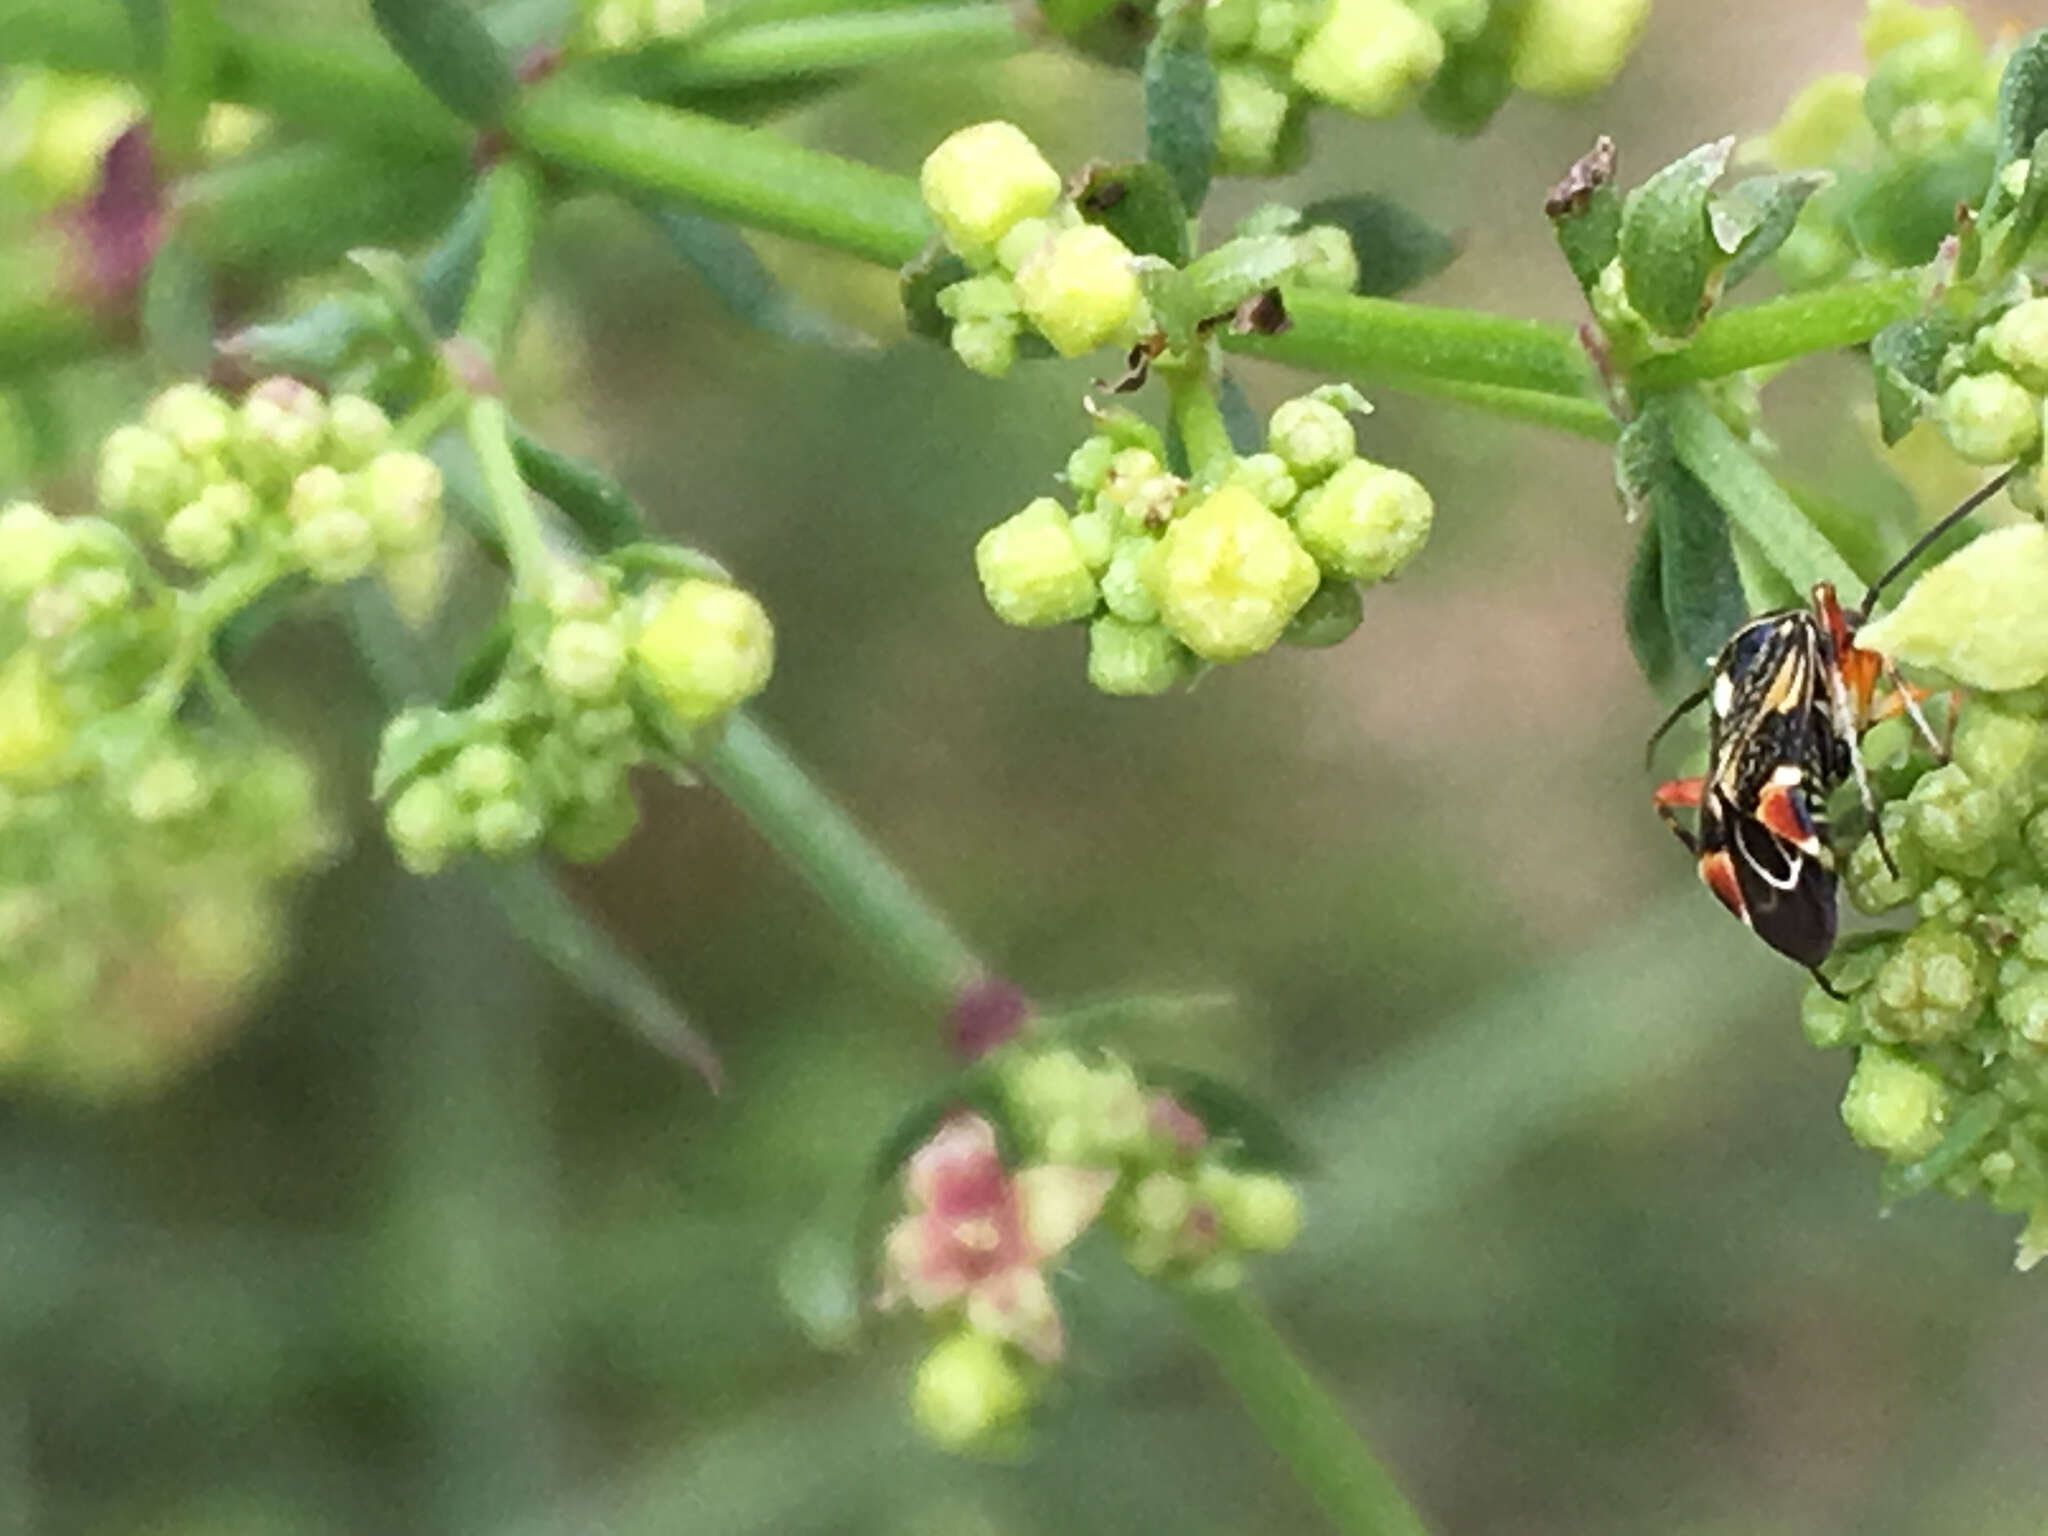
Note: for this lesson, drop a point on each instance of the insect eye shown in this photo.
(1746, 647)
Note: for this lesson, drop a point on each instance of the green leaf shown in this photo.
(592, 500)
(1905, 364)
(1234, 271)
(473, 679)
(1755, 216)
(2022, 110)
(392, 278)
(1668, 251)
(921, 282)
(1643, 616)
(1231, 1116)
(1247, 432)
(1396, 249)
(721, 256)
(1585, 213)
(1180, 102)
(1177, 306)
(550, 924)
(447, 47)
(1751, 496)
(1138, 204)
(673, 562)
(976, 1089)
(1901, 215)
(2028, 213)
(417, 739)
(316, 341)
(177, 310)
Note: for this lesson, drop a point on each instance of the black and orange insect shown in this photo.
(1790, 696)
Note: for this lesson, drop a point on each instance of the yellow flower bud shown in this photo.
(708, 648)
(1571, 47)
(966, 1389)
(1893, 1106)
(1080, 289)
(34, 727)
(1978, 616)
(1370, 56)
(1366, 521)
(1231, 576)
(982, 180)
(1032, 571)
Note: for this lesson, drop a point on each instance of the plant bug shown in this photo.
(1790, 695)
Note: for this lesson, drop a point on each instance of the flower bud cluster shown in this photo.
(1271, 547)
(616, 26)
(287, 481)
(1375, 58)
(1085, 1142)
(600, 677)
(1905, 141)
(1948, 1015)
(143, 856)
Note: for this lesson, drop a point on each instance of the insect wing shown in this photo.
(1787, 894)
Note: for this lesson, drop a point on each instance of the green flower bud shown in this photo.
(1088, 465)
(1930, 989)
(169, 788)
(1957, 822)
(32, 543)
(1022, 241)
(1978, 615)
(1997, 748)
(283, 430)
(193, 418)
(991, 296)
(504, 828)
(1891, 24)
(1277, 29)
(2019, 340)
(400, 493)
(1871, 885)
(1823, 124)
(35, 729)
(588, 830)
(1893, 1106)
(357, 431)
(2023, 1008)
(1138, 491)
(1133, 660)
(1265, 476)
(1573, 47)
(1947, 902)
(1312, 437)
(142, 475)
(1370, 56)
(1228, 25)
(1156, 1217)
(426, 826)
(1989, 418)
(2033, 1244)
(585, 660)
(485, 771)
(1128, 584)
(1231, 576)
(2037, 838)
(1366, 522)
(1325, 258)
(706, 650)
(1031, 570)
(1816, 253)
(1094, 535)
(1075, 1112)
(202, 534)
(1827, 1022)
(981, 180)
(336, 545)
(1259, 1211)
(578, 592)
(967, 1390)
(1336, 609)
(320, 489)
(989, 347)
(1251, 121)
(1080, 289)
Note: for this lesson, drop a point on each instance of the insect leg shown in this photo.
(1826, 986)
(1684, 707)
(1673, 796)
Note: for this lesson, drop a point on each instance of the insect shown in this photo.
(1789, 698)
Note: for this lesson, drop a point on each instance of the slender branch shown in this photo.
(512, 218)
(1198, 416)
(1297, 1415)
(817, 45)
(512, 509)
(1779, 330)
(1575, 414)
(752, 176)
(857, 881)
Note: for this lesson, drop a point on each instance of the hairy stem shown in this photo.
(511, 505)
(1198, 416)
(1779, 330)
(1297, 1415)
(512, 217)
(818, 45)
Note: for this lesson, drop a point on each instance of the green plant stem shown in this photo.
(1566, 413)
(1198, 417)
(511, 505)
(815, 45)
(857, 881)
(184, 86)
(1751, 496)
(750, 175)
(1297, 1415)
(1779, 330)
(512, 201)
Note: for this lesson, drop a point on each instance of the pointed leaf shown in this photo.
(1905, 363)
(2022, 110)
(1396, 249)
(2030, 211)
(1668, 251)
(1755, 216)
(445, 44)
(721, 256)
(921, 282)
(392, 278)
(1138, 204)
(1585, 212)
(1231, 1116)
(1643, 617)
(177, 310)
(1247, 432)
(597, 504)
(1234, 271)
(1180, 102)
(1686, 554)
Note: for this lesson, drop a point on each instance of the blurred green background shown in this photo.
(432, 1245)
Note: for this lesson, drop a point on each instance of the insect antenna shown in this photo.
(1679, 711)
(1969, 504)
